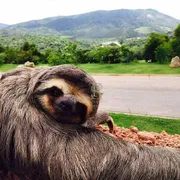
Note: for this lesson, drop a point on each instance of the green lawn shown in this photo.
(131, 68)
(145, 123)
(7, 67)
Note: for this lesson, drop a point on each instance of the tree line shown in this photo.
(70, 54)
(157, 48)
(161, 48)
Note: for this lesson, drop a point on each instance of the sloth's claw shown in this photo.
(101, 117)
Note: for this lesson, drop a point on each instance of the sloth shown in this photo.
(69, 96)
(47, 120)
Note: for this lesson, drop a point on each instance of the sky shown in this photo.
(16, 11)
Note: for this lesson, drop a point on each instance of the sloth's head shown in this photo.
(65, 94)
(64, 101)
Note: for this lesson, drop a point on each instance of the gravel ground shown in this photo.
(141, 137)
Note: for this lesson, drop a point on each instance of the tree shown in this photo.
(137, 52)
(1, 48)
(163, 53)
(26, 46)
(81, 56)
(23, 56)
(108, 55)
(175, 42)
(177, 31)
(56, 58)
(126, 54)
(153, 42)
(2, 56)
(91, 56)
(70, 54)
(10, 55)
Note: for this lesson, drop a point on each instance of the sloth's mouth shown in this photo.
(74, 115)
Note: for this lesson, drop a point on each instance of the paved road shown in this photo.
(146, 95)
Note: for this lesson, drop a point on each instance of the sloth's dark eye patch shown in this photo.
(53, 91)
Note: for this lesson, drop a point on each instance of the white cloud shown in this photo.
(14, 11)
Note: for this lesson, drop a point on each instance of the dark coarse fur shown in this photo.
(35, 147)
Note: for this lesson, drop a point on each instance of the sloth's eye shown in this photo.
(55, 92)
(52, 91)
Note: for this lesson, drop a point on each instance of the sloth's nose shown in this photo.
(67, 105)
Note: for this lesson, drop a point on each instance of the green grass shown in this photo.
(145, 123)
(131, 68)
(6, 67)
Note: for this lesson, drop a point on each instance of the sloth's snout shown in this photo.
(67, 105)
(69, 110)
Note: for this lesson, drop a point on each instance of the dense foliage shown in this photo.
(157, 48)
(161, 48)
(154, 41)
(69, 54)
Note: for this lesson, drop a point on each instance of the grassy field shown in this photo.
(7, 67)
(145, 123)
(131, 68)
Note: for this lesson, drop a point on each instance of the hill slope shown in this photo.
(101, 24)
(3, 25)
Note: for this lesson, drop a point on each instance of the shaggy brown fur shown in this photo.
(35, 146)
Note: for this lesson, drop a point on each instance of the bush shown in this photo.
(126, 55)
(55, 59)
(163, 53)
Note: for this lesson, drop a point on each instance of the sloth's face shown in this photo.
(63, 101)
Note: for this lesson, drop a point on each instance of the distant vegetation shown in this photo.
(41, 42)
(71, 53)
(159, 48)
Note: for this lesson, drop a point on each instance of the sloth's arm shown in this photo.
(101, 117)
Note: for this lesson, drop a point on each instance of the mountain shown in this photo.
(3, 25)
(100, 24)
